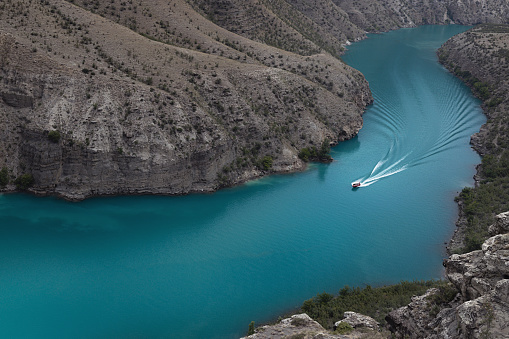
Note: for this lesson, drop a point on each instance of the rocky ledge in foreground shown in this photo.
(302, 326)
(479, 310)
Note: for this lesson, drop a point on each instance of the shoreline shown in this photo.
(11, 189)
(456, 240)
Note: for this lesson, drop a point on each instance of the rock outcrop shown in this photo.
(481, 308)
(357, 321)
(302, 326)
(501, 225)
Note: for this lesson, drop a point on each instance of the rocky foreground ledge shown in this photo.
(303, 327)
(480, 309)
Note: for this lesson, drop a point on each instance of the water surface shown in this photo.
(206, 265)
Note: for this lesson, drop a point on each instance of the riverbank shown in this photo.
(465, 56)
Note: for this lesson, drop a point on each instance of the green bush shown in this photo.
(4, 177)
(482, 90)
(251, 328)
(54, 136)
(24, 181)
(313, 154)
(344, 328)
(305, 154)
(266, 163)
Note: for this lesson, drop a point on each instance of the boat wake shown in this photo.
(380, 172)
(421, 122)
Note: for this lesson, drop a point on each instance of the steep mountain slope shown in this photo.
(294, 24)
(136, 115)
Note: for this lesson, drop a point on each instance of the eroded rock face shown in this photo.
(481, 310)
(483, 317)
(501, 224)
(412, 321)
(477, 272)
(357, 320)
(300, 325)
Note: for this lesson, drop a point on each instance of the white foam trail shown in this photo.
(371, 179)
(378, 165)
(374, 179)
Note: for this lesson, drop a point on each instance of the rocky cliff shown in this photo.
(481, 308)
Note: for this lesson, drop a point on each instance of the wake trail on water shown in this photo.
(380, 172)
(442, 117)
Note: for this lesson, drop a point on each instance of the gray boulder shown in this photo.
(357, 320)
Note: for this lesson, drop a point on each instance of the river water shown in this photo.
(204, 266)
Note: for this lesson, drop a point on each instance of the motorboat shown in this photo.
(356, 184)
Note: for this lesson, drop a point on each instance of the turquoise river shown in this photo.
(204, 266)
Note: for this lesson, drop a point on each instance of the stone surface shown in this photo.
(501, 224)
(357, 320)
(298, 325)
(303, 327)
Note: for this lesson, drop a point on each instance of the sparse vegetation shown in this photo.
(251, 328)
(374, 302)
(297, 322)
(24, 181)
(343, 328)
(54, 136)
(480, 204)
(314, 154)
(446, 293)
(4, 177)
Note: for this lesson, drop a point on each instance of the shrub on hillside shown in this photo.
(54, 136)
(4, 177)
(24, 181)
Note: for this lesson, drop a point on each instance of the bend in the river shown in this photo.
(206, 265)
